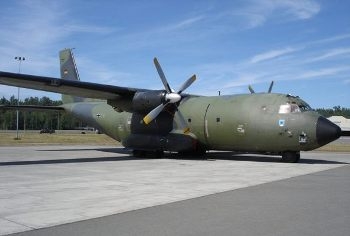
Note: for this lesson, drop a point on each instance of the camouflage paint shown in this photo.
(256, 122)
(249, 122)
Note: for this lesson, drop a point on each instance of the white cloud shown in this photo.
(185, 23)
(332, 53)
(332, 39)
(73, 28)
(323, 72)
(36, 30)
(271, 54)
(302, 9)
(40, 25)
(243, 80)
(257, 12)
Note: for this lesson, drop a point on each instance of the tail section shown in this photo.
(69, 71)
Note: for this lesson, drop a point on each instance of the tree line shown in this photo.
(36, 120)
(335, 111)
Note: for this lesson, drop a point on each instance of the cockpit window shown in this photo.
(284, 109)
(289, 108)
(305, 107)
(293, 108)
(294, 105)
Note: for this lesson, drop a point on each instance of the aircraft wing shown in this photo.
(31, 108)
(69, 87)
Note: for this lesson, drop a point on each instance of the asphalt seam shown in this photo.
(18, 223)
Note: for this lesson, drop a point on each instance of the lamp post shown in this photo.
(19, 59)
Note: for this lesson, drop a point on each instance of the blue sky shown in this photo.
(303, 45)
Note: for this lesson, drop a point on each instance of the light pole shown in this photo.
(19, 59)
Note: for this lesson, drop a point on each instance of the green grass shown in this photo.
(30, 138)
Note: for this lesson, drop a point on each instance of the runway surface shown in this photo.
(107, 192)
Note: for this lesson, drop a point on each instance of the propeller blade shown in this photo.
(182, 122)
(270, 88)
(251, 89)
(170, 97)
(187, 84)
(162, 75)
(153, 114)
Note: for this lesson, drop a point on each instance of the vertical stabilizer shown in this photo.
(69, 71)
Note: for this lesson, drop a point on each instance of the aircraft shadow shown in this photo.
(67, 161)
(211, 156)
(233, 156)
(120, 150)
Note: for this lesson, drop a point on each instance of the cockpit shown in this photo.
(294, 105)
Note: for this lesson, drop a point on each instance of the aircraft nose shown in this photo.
(326, 131)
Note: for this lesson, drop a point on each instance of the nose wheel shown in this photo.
(290, 157)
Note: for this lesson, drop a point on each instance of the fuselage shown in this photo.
(267, 122)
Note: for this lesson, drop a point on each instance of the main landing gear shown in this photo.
(291, 157)
(199, 152)
(148, 154)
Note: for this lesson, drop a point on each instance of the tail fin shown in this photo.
(69, 71)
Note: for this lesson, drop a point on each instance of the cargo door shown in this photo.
(217, 126)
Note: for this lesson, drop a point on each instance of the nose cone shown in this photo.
(326, 131)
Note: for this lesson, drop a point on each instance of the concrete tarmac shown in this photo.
(107, 192)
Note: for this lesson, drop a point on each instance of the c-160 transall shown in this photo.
(154, 121)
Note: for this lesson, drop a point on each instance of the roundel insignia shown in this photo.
(281, 123)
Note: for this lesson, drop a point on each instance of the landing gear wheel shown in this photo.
(138, 153)
(148, 154)
(291, 157)
(199, 152)
(158, 154)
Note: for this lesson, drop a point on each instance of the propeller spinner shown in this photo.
(170, 97)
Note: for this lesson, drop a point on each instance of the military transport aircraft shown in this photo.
(154, 121)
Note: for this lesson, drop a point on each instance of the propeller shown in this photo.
(170, 97)
(269, 91)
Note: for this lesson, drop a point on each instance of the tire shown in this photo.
(149, 154)
(290, 157)
(138, 153)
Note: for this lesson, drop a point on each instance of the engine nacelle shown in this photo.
(144, 102)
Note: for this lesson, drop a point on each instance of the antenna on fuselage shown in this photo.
(270, 88)
(251, 89)
(268, 91)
